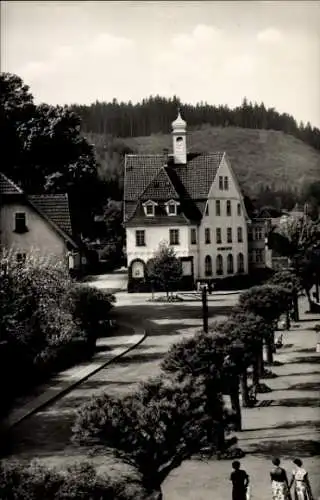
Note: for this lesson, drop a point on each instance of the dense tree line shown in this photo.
(155, 114)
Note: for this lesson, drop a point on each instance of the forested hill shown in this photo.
(155, 114)
(260, 158)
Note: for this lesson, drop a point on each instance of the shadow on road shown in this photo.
(286, 448)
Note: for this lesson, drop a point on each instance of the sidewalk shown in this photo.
(65, 381)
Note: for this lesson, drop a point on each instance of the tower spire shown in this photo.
(179, 133)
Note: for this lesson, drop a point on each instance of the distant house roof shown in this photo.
(54, 208)
(7, 186)
(155, 177)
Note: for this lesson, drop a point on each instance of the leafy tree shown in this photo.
(299, 239)
(165, 269)
(266, 301)
(90, 309)
(289, 280)
(206, 355)
(250, 330)
(44, 148)
(154, 429)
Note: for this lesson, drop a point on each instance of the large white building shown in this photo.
(193, 202)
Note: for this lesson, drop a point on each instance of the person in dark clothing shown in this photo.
(240, 482)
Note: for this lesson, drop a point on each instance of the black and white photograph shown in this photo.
(160, 250)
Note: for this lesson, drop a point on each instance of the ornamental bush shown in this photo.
(78, 482)
(90, 310)
(36, 321)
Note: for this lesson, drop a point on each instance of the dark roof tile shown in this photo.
(7, 186)
(56, 208)
(147, 177)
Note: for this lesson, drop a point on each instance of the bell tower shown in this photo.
(179, 138)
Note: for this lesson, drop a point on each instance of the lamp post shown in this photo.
(205, 309)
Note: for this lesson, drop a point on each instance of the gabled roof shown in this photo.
(153, 177)
(7, 186)
(54, 208)
(160, 188)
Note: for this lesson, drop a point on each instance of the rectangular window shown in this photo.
(207, 236)
(20, 222)
(193, 236)
(218, 235)
(240, 235)
(220, 182)
(207, 209)
(226, 183)
(239, 209)
(174, 236)
(140, 238)
(229, 235)
(172, 209)
(218, 207)
(258, 233)
(228, 208)
(149, 210)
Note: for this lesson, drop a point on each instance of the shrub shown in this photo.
(78, 482)
(155, 428)
(90, 309)
(36, 321)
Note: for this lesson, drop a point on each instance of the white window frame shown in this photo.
(140, 232)
(148, 204)
(174, 241)
(171, 203)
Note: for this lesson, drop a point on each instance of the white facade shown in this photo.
(237, 222)
(234, 220)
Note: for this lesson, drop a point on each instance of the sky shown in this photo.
(219, 52)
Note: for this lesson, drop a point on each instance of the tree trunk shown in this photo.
(151, 482)
(235, 403)
(260, 362)
(216, 435)
(309, 298)
(295, 307)
(255, 373)
(244, 389)
(270, 348)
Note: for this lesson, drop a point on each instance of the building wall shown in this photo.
(154, 235)
(223, 221)
(40, 238)
(259, 254)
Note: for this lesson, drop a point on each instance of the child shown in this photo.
(240, 482)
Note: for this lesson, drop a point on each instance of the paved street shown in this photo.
(286, 421)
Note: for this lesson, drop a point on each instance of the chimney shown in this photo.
(166, 156)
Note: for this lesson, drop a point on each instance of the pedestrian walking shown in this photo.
(240, 482)
(279, 482)
(300, 482)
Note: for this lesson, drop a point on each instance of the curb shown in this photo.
(7, 425)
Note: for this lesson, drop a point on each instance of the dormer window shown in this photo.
(171, 207)
(149, 207)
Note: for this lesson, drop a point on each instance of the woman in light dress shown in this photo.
(300, 481)
(279, 482)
